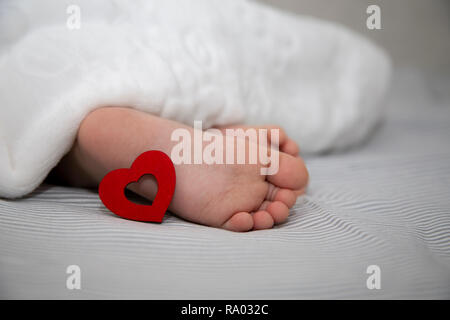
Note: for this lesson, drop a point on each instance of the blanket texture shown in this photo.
(221, 62)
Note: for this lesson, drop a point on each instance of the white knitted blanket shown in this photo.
(217, 61)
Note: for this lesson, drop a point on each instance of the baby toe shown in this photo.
(290, 147)
(292, 173)
(239, 222)
(279, 211)
(262, 220)
(287, 196)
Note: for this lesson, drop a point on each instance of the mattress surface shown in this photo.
(385, 203)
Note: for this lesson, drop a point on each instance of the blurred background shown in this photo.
(416, 33)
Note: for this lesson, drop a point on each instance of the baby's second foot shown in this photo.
(232, 196)
(285, 143)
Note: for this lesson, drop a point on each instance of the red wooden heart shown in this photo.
(112, 187)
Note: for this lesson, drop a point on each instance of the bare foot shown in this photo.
(234, 197)
(285, 143)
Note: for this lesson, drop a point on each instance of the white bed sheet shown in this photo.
(386, 203)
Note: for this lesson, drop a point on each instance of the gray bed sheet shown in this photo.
(385, 203)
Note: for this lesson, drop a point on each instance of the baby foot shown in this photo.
(235, 197)
(285, 143)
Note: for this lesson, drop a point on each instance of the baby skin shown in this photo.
(236, 197)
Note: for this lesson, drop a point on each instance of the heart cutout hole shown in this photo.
(133, 191)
